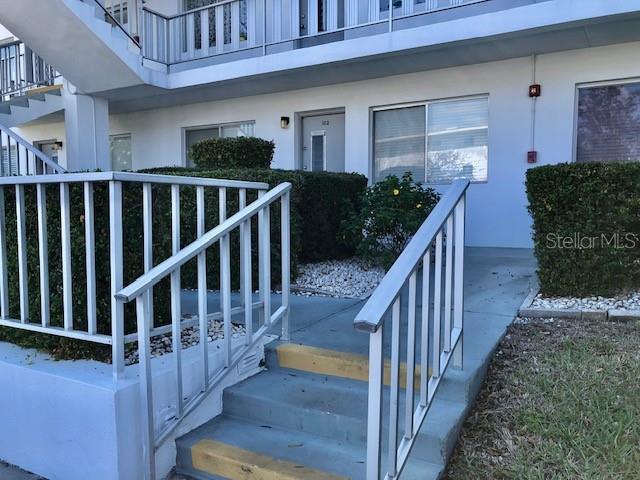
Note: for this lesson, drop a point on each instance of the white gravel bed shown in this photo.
(629, 301)
(161, 344)
(351, 278)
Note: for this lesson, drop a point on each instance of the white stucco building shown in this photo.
(440, 89)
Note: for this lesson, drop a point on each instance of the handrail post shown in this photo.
(285, 241)
(374, 408)
(458, 300)
(115, 247)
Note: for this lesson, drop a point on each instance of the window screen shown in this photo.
(317, 153)
(399, 142)
(609, 123)
(458, 139)
(120, 148)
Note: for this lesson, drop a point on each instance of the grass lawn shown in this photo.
(562, 401)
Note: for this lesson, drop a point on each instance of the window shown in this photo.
(195, 135)
(120, 149)
(9, 160)
(608, 126)
(437, 142)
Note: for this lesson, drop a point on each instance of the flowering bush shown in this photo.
(392, 211)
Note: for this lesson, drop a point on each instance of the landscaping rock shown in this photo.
(352, 278)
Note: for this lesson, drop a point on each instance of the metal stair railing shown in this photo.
(440, 334)
(156, 431)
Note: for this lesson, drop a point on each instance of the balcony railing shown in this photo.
(271, 26)
(21, 70)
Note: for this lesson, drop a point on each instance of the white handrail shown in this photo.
(19, 143)
(162, 179)
(440, 324)
(371, 315)
(141, 290)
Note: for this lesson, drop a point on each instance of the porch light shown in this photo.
(284, 122)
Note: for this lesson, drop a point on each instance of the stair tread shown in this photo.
(324, 393)
(326, 455)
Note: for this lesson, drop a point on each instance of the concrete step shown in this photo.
(336, 408)
(234, 448)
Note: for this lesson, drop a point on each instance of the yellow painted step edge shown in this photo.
(221, 459)
(337, 364)
(48, 88)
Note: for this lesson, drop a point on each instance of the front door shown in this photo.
(323, 143)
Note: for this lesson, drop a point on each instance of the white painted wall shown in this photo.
(166, 7)
(497, 213)
(5, 35)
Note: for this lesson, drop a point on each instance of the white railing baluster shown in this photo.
(285, 249)
(65, 237)
(411, 358)
(147, 239)
(176, 310)
(458, 301)
(22, 255)
(43, 251)
(242, 203)
(235, 25)
(264, 224)
(90, 254)
(116, 267)
(219, 28)
(448, 269)
(146, 395)
(437, 306)
(424, 338)
(4, 281)
(247, 287)
(225, 293)
(202, 289)
(374, 407)
(394, 399)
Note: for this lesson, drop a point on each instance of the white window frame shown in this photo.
(205, 127)
(425, 104)
(580, 86)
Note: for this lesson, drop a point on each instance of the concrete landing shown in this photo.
(309, 409)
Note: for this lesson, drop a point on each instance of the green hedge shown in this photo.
(586, 220)
(321, 200)
(241, 152)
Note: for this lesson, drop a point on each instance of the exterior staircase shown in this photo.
(306, 417)
(35, 104)
(81, 36)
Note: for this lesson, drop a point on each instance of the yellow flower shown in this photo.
(396, 192)
(419, 205)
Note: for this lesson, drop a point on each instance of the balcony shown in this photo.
(230, 30)
(21, 70)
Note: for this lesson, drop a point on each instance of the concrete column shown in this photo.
(86, 122)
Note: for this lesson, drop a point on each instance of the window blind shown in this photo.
(608, 127)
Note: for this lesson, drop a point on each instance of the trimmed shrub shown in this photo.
(240, 152)
(321, 200)
(586, 227)
(392, 211)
